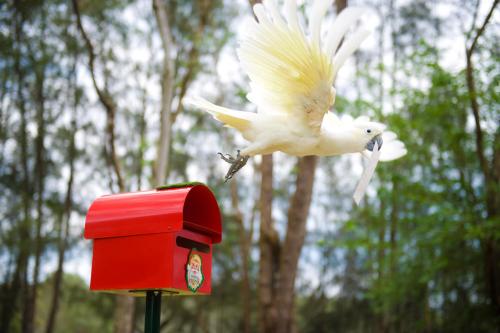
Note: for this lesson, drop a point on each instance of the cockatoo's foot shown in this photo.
(237, 163)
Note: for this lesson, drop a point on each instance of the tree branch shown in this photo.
(482, 28)
(471, 85)
(104, 97)
(193, 56)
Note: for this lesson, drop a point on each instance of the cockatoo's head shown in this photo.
(369, 133)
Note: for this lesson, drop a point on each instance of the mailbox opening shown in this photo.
(191, 244)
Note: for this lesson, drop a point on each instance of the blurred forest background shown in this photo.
(89, 89)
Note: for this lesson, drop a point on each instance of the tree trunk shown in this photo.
(64, 222)
(40, 176)
(294, 240)
(245, 242)
(63, 238)
(167, 91)
(17, 286)
(269, 249)
(491, 179)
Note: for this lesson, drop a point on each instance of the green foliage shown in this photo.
(422, 237)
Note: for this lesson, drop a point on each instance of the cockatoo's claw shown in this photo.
(228, 158)
(236, 164)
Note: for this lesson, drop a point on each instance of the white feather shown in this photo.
(348, 48)
(316, 18)
(270, 5)
(290, 8)
(339, 27)
(260, 13)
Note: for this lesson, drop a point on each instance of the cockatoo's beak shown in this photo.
(371, 143)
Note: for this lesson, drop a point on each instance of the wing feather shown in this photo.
(348, 48)
(288, 72)
(318, 11)
(339, 27)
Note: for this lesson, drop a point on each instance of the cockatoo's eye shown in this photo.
(368, 131)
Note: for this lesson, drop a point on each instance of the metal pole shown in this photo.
(153, 310)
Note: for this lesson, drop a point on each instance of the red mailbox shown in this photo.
(154, 240)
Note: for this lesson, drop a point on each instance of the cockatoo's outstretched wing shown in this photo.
(290, 72)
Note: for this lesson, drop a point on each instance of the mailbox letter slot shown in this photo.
(191, 244)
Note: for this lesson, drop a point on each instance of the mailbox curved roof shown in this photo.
(162, 210)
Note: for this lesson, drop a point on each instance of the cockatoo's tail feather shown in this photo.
(239, 120)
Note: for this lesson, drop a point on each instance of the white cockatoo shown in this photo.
(291, 78)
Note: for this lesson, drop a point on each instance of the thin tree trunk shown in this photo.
(491, 179)
(381, 317)
(40, 176)
(205, 9)
(269, 249)
(142, 120)
(106, 100)
(269, 246)
(25, 243)
(64, 223)
(167, 91)
(294, 241)
(142, 141)
(245, 242)
(124, 311)
(17, 286)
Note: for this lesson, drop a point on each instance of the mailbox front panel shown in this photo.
(132, 263)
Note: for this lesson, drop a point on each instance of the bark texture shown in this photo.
(167, 92)
(269, 249)
(40, 172)
(245, 243)
(294, 241)
(490, 170)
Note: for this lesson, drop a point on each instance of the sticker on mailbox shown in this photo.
(194, 273)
